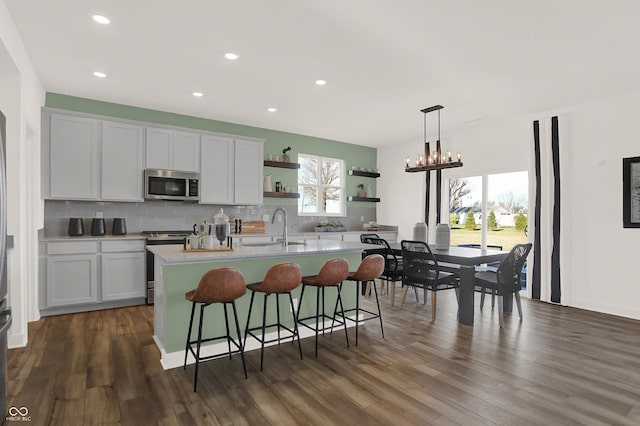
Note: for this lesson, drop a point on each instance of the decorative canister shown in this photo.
(98, 227)
(368, 192)
(76, 227)
(443, 236)
(267, 184)
(222, 226)
(420, 232)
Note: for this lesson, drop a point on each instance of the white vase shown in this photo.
(443, 236)
(420, 232)
(267, 184)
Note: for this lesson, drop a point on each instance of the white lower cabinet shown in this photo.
(123, 276)
(82, 275)
(72, 279)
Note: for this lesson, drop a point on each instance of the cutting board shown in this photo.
(251, 227)
(213, 250)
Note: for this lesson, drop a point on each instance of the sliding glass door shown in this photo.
(489, 210)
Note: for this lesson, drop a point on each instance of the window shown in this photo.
(321, 186)
(505, 208)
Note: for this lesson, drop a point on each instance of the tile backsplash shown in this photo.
(175, 215)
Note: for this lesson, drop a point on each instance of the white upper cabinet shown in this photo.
(216, 170)
(186, 151)
(231, 171)
(122, 161)
(248, 172)
(172, 150)
(87, 158)
(73, 158)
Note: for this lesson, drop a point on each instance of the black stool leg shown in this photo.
(335, 309)
(246, 329)
(295, 323)
(195, 376)
(317, 316)
(379, 312)
(344, 319)
(278, 315)
(264, 321)
(186, 348)
(300, 303)
(235, 317)
(324, 315)
(226, 323)
(357, 309)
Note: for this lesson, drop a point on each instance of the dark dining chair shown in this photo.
(392, 262)
(421, 270)
(493, 266)
(505, 281)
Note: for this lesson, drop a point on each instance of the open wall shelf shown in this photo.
(281, 194)
(365, 199)
(363, 174)
(281, 164)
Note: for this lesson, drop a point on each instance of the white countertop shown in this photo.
(133, 236)
(175, 253)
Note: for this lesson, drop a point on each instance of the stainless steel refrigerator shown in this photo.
(5, 311)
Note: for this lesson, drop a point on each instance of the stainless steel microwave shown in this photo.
(171, 185)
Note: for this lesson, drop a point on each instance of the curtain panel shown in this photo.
(545, 276)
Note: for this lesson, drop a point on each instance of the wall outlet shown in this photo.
(279, 218)
(99, 215)
(295, 306)
(265, 218)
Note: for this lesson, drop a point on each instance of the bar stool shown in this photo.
(280, 279)
(370, 268)
(222, 285)
(332, 273)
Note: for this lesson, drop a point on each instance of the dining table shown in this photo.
(463, 260)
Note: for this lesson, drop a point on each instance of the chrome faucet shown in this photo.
(285, 235)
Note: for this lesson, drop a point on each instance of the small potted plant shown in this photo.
(361, 191)
(285, 155)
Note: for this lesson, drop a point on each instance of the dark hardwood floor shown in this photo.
(560, 366)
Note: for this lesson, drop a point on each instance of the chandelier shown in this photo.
(436, 160)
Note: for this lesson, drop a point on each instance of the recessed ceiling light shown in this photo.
(101, 19)
(99, 74)
(231, 56)
(272, 109)
(321, 82)
(197, 94)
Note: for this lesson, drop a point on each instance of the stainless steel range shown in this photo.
(155, 238)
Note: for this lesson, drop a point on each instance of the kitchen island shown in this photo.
(177, 272)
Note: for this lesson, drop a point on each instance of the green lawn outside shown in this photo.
(505, 237)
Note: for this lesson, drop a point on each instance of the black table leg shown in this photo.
(465, 307)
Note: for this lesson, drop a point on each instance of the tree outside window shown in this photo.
(321, 186)
(506, 209)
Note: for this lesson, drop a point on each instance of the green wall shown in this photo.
(275, 141)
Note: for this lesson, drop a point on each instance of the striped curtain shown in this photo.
(544, 266)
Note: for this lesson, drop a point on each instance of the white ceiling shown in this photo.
(383, 60)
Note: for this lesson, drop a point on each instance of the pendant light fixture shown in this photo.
(436, 160)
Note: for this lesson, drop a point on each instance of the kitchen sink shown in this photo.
(274, 243)
(262, 244)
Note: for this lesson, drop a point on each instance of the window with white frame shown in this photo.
(505, 209)
(321, 186)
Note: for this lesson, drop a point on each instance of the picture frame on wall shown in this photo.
(631, 192)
